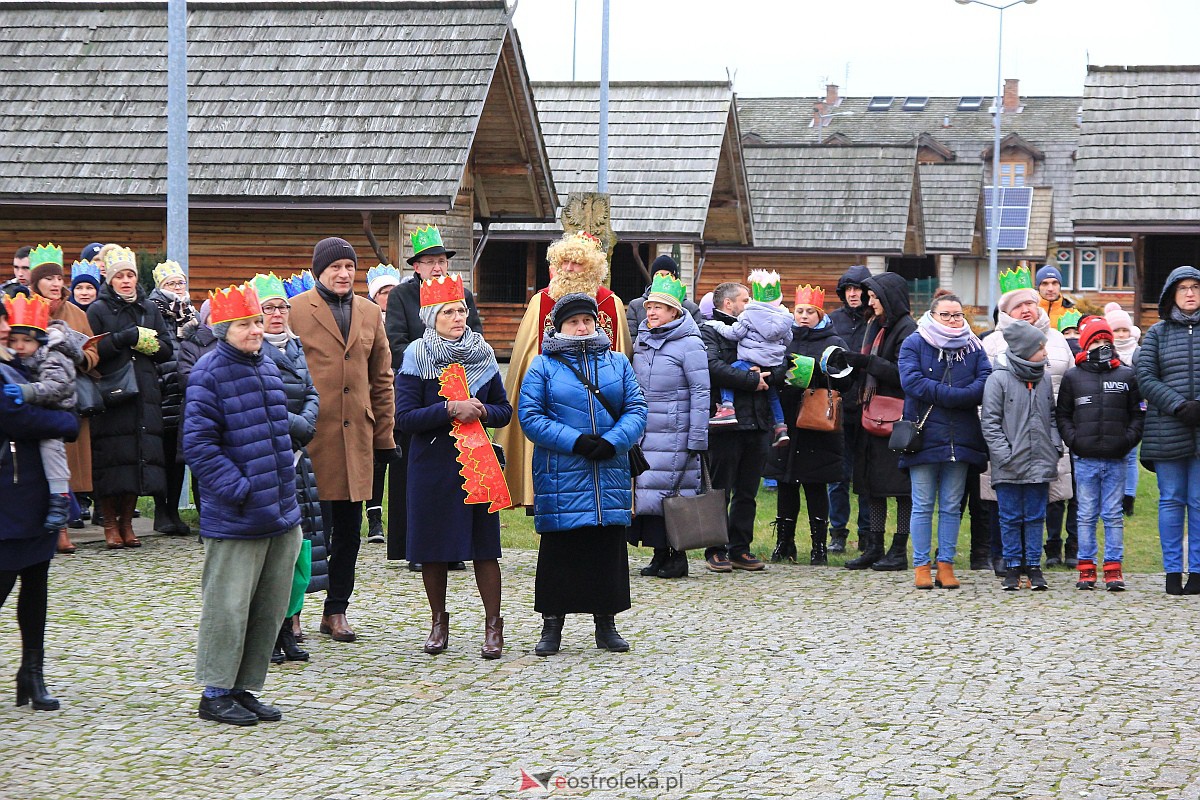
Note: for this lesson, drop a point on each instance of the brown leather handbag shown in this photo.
(880, 412)
(820, 410)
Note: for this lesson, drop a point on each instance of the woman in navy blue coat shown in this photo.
(26, 546)
(943, 369)
(583, 488)
(442, 527)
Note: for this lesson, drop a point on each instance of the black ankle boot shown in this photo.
(873, 552)
(375, 526)
(1174, 583)
(837, 540)
(896, 559)
(785, 540)
(819, 556)
(1192, 586)
(287, 643)
(675, 565)
(551, 635)
(656, 563)
(607, 637)
(31, 683)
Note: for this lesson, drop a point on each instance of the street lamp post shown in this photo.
(994, 233)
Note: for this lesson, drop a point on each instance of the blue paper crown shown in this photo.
(381, 271)
(81, 268)
(300, 282)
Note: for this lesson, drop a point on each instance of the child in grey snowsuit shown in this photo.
(763, 332)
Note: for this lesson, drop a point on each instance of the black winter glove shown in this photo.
(585, 444)
(1189, 412)
(387, 455)
(858, 360)
(300, 430)
(603, 450)
(125, 338)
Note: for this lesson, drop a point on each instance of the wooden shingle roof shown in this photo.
(849, 198)
(1051, 123)
(667, 141)
(355, 103)
(1138, 166)
(952, 203)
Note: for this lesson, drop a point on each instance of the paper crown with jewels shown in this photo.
(446, 289)
(166, 270)
(667, 288)
(1013, 279)
(234, 303)
(800, 373)
(268, 287)
(810, 296)
(1069, 319)
(299, 282)
(28, 311)
(84, 269)
(427, 241)
(119, 257)
(45, 254)
(765, 286)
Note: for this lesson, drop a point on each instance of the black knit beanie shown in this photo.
(330, 250)
(664, 263)
(571, 304)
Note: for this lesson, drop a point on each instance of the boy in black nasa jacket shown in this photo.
(1100, 418)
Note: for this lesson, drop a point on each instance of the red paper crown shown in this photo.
(810, 296)
(236, 302)
(28, 311)
(446, 289)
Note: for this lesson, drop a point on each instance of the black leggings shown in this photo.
(816, 497)
(879, 514)
(31, 601)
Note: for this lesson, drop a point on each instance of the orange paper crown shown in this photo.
(236, 302)
(446, 289)
(28, 311)
(810, 296)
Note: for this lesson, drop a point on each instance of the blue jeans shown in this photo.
(944, 483)
(1179, 495)
(772, 394)
(1100, 489)
(1131, 473)
(839, 493)
(1022, 509)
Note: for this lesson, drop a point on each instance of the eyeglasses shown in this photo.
(275, 309)
(1189, 288)
(946, 315)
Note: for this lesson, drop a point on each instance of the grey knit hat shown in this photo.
(1023, 339)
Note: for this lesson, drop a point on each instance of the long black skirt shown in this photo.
(649, 530)
(582, 571)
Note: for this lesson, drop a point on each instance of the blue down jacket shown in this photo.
(952, 431)
(235, 439)
(671, 365)
(571, 491)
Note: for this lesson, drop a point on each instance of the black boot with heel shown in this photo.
(31, 682)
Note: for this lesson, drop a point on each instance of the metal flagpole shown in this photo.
(177, 119)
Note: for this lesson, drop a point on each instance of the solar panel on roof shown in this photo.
(880, 103)
(915, 103)
(970, 103)
(1015, 205)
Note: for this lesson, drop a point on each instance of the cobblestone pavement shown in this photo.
(798, 682)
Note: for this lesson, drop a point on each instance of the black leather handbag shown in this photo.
(119, 386)
(637, 459)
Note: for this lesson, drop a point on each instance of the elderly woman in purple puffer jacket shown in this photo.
(671, 366)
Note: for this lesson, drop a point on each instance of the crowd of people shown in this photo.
(297, 404)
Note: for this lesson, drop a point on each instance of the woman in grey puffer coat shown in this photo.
(671, 366)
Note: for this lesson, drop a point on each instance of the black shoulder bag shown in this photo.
(637, 459)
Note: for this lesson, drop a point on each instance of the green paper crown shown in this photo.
(425, 238)
(668, 285)
(765, 286)
(45, 254)
(1069, 319)
(1013, 279)
(801, 372)
(268, 287)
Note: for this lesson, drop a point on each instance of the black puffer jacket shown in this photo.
(753, 407)
(1099, 410)
(303, 405)
(127, 449)
(168, 371)
(851, 324)
(1168, 373)
(194, 345)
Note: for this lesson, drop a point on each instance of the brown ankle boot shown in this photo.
(493, 637)
(65, 546)
(439, 634)
(112, 531)
(127, 504)
(921, 578)
(945, 576)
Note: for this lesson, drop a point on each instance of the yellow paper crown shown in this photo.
(165, 270)
(119, 257)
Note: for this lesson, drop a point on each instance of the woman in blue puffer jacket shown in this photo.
(236, 441)
(583, 489)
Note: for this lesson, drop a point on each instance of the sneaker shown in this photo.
(748, 562)
(1087, 576)
(1037, 581)
(376, 537)
(1114, 581)
(781, 436)
(725, 416)
(1012, 579)
(718, 562)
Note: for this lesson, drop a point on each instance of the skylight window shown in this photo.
(970, 103)
(915, 103)
(880, 103)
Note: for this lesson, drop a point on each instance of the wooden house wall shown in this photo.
(795, 269)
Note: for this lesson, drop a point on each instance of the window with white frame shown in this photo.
(1089, 269)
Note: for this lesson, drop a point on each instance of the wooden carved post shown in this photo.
(591, 212)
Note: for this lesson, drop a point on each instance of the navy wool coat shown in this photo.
(236, 441)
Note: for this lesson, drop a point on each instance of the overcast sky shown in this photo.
(868, 47)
